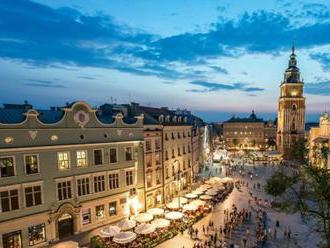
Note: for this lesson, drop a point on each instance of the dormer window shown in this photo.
(161, 118)
(174, 119)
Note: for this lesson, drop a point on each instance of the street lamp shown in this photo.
(178, 177)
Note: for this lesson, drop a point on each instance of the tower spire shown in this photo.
(293, 45)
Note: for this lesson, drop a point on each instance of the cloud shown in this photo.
(323, 58)
(219, 69)
(321, 88)
(211, 87)
(87, 77)
(43, 83)
(45, 36)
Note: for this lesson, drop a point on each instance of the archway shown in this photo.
(65, 226)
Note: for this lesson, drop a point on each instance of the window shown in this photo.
(37, 234)
(189, 163)
(99, 212)
(189, 150)
(148, 160)
(129, 178)
(63, 159)
(7, 167)
(64, 190)
(158, 176)
(114, 181)
(128, 153)
(31, 164)
(98, 157)
(179, 135)
(81, 158)
(113, 155)
(157, 158)
(86, 216)
(179, 152)
(83, 186)
(148, 145)
(149, 179)
(184, 164)
(173, 154)
(167, 172)
(13, 239)
(166, 155)
(33, 196)
(166, 136)
(99, 183)
(112, 208)
(157, 144)
(173, 136)
(184, 150)
(9, 200)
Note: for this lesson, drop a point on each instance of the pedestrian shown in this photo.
(289, 233)
(275, 234)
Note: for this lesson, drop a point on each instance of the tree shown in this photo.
(324, 154)
(299, 151)
(306, 190)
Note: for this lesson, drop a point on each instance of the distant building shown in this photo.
(249, 133)
(319, 143)
(291, 108)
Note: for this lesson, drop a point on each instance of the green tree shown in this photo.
(324, 154)
(299, 151)
(307, 190)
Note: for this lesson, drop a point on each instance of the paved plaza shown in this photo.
(301, 234)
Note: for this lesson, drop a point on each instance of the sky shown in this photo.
(215, 58)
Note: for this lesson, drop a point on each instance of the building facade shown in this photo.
(319, 143)
(291, 108)
(246, 133)
(67, 170)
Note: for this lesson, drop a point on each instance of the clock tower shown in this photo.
(291, 108)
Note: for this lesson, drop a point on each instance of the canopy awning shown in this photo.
(206, 197)
(198, 203)
(191, 196)
(190, 207)
(182, 200)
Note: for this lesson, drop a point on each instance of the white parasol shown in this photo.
(109, 231)
(126, 224)
(206, 197)
(124, 237)
(174, 215)
(190, 207)
(144, 217)
(145, 228)
(156, 211)
(198, 203)
(161, 223)
(191, 196)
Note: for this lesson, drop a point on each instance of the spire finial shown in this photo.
(293, 44)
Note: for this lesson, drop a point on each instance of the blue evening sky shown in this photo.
(216, 58)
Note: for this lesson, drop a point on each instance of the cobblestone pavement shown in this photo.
(301, 235)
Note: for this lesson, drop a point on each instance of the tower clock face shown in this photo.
(81, 118)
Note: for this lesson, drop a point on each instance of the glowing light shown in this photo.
(9, 140)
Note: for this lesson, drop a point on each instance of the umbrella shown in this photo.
(174, 215)
(190, 207)
(201, 189)
(191, 196)
(206, 197)
(126, 224)
(182, 200)
(109, 231)
(145, 228)
(144, 217)
(124, 237)
(156, 211)
(161, 223)
(206, 186)
(198, 192)
(67, 244)
(198, 202)
(174, 205)
(211, 192)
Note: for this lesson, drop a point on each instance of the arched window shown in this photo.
(294, 107)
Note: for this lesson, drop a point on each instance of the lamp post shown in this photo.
(178, 177)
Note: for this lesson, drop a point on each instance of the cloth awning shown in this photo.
(206, 197)
(198, 192)
(155, 211)
(161, 223)
(126, 224)
(109, 231)
(145, 228)
(144, 217)
(174, 215)
(124, 237)
(211, 192)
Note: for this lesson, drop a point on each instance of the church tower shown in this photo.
(291, 108)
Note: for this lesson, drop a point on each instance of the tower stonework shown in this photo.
(291, 108)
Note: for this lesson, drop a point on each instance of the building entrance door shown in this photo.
(65, 226)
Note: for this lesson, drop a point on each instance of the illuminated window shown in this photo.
(86, 216)
(81, 158)
(128, 153)
(31, 164)
(113, 208)
(99, 212)
(7, 167)
(37, 234)
(63, 159)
